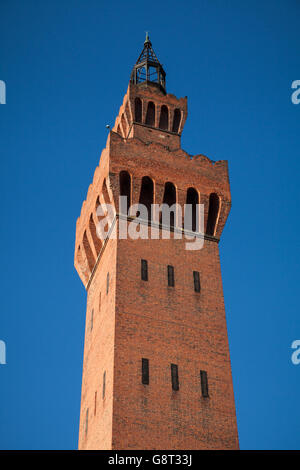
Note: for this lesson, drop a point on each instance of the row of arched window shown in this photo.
(163, 118)
(91, 245)
(146, 198)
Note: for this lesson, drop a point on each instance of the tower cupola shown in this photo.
(148, 69)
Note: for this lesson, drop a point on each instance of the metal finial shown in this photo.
(147, 37)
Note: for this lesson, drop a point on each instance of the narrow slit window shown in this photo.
(104, 385)
(92, 319)
(86, 421)
(174, 377)
(204, 383)
(171, 281)
(95, 404)
(107, 283)
(144, 270)
(196, 276)
(145, 371)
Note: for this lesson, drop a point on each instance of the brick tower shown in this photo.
(156, 370)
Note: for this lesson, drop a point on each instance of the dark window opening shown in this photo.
(95, 238)
(174, 377)
(92, 319)
(144, 270)
(176, 120)
(197, 286)
(138, 110)
(88, 251)
(146, 194)
(107, 283)
(125, 189)
(86, 421)
(95, 404)
(105, 192)
(124, 125)
(150, 116)
(213, 211)
(104, 384)
(169, 199)
(145, 371)
(164, 118)
(190, 220)
(171, 281)
(204, 383)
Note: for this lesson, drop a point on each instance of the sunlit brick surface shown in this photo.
(147, 319)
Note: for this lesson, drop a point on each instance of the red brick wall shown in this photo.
(99, 355)
(149, 319)
(171, 325)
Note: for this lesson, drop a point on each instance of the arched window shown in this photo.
(164, 118)
(127, 112)
(98, 203)
(176, 120)
(125, 189)
(170, 199)
(124, 125)
(190, 219)
(88, 252)
(96, 240)
(103, 210)
(146, 194)
(82, 264)
(213, 211)
(150, 116)
(105, 192)
(138, 109)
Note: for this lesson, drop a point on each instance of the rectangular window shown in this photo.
(196, 281)
(145, 371)
(174, 377)
(171, 281)
(92, 319)
(103, 388)
(204, 383)
(144, 270)
(95, 404)
(107, 283)
(86, 421)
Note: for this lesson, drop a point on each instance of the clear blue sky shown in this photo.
(66, 64)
